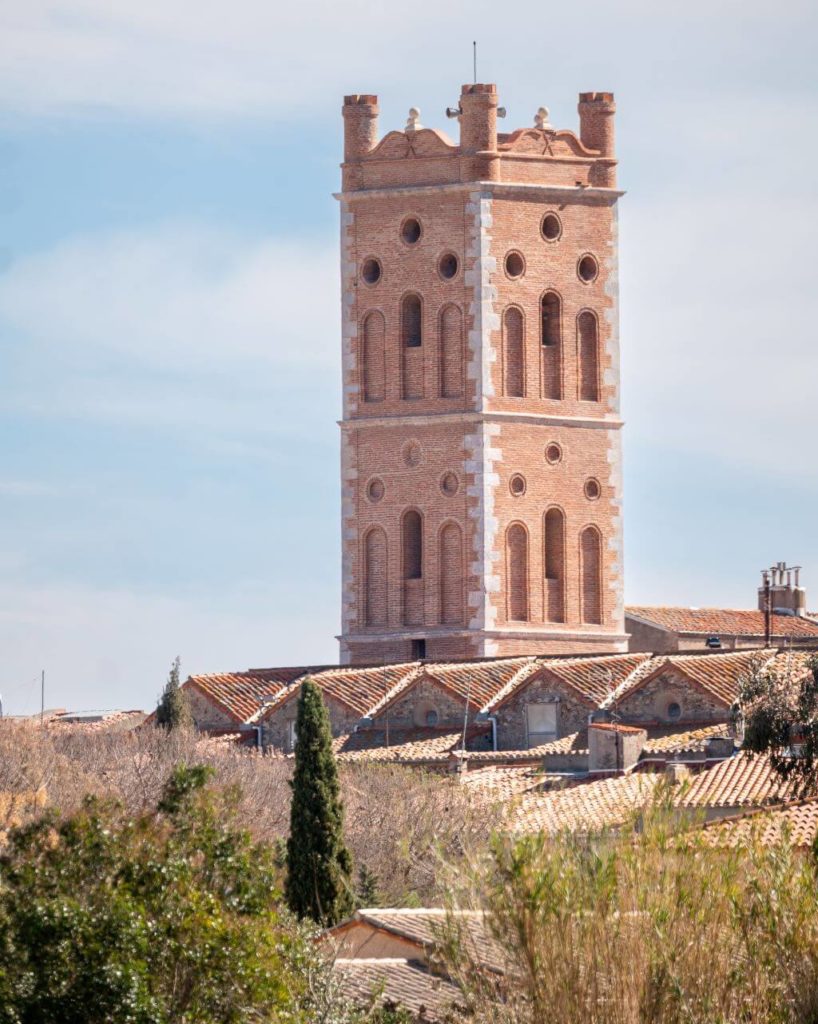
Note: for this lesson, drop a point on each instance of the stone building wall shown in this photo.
(511, 716)
(424, 696)
(277, 727)
(654, 702)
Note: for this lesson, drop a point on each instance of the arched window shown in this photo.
(514, 353)
(590, 554)
(451, 574)
(373, 357)
(411, 331)
(551, 345)
(451, 353)
(588, 332)
(412, 556)
(375, 578)
(517, 572)
(554, 563)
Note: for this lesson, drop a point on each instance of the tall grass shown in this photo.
(653, 928)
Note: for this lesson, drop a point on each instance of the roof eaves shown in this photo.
(516, 681)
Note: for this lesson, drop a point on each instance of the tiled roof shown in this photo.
(719, 675)
(739, 781)
(242, 695)
(584, 807)
(798, 821)
(666, 740)
(502, 782)
(405, 745)
(593, 679)
(394, 982)
(718, 621)
(573, 743)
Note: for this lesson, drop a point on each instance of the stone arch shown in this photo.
(517, 572)
(451, 352)
(590, 562)
(450, 562)
(373, 357)
(551, 344)
(411, 530)
(554, 564)
(411, 336)
(376, 577)
(513, 352)
(588, 352)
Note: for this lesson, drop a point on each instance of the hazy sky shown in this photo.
(168, 446)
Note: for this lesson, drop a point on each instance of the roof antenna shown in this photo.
(474, 60)
(466, 715)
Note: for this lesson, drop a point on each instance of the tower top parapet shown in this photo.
(540, 155)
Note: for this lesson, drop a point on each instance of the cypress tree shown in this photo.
(172, 710)
(318, 863)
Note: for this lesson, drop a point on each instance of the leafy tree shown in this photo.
(318, 862)
(173, 710)
(159, 918)
(778, 709)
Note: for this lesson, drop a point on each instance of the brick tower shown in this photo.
(481, 456)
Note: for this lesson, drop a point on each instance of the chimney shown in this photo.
(479, 159)
(786, 597)
(360, 135)
(614, 748)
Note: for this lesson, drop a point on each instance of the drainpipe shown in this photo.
(493, 720)
(257, 729)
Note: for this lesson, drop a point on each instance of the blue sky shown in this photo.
(168, 447)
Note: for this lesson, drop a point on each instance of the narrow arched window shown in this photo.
(517, 572)
(451, 353)
(411, 331)
(373, 357)
(514, 353)
(590, 555)
(375, 578)
(554, 563)
(588, 332)
(551, 345)
(412, 546)
(451, 574)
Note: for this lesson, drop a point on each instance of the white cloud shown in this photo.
(172, 325)
(252, 57)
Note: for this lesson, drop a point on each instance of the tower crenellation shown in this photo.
(481, 462)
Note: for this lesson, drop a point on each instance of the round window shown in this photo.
(587, 269)
(449, 484)
(412, 454)
(515, 264)
(551, 227)
(553, 453)
(448, 266)
(674, 711)
(410, 230)
(432, 717)
(592, 489)
(517, 485)
(375, 490)
(371, 271)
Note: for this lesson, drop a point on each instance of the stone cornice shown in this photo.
(496, 188)
(438, 419)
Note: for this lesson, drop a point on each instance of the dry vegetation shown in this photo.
(399, 822)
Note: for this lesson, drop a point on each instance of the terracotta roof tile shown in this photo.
(667, 740)
(573, 743)
(502, 782)
(592, 678)
(739, 781)
(242, 695)
(798, 821)
(405, 745)
(584, 807)
(727, 621)
(395, 982)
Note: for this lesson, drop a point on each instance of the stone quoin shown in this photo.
(481, 434)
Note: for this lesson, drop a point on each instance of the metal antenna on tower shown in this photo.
(474, 60)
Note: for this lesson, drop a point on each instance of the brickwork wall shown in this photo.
(276, 729)
(479, 401)
(650, 702)
(426, 695)
(206, 714)
(512, 727)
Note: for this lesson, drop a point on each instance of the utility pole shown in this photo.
(767, 608)
(42, 696)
